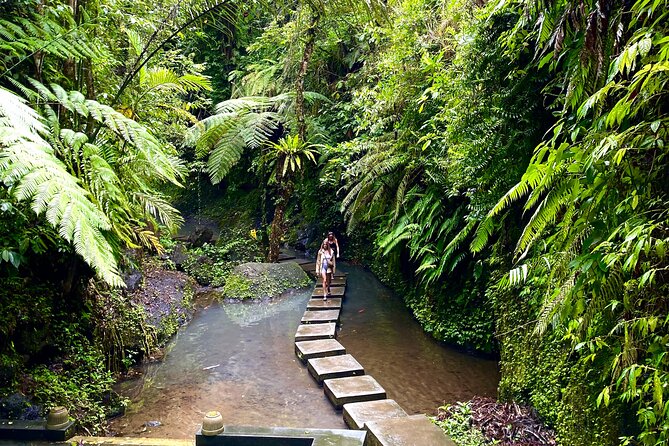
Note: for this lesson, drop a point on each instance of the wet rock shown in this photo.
(204, 260)
(200, 236)
(303, 237)
(166, 296)
(264, 280)
(153, 423)
(18, 407)
(133, 280)
(179, 256)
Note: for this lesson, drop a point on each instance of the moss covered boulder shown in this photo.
(264, 280)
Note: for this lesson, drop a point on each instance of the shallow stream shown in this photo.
(238, 358)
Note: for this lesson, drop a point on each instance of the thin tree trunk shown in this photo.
(70, 65)
(277, 228)
(301, 74)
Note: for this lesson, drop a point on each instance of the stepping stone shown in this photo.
(309, 268)
(320, 348)
(285, 257)
(333, 303)
(334, 367)
(338, 281)
(334, 291)
(320, 317)
(315, 331)
(124, 441)
(353, 389)
(415, 430)
(357, 414)
(304, 262)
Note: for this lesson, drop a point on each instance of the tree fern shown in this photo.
(28, 165)
(53, 31)
(148, 155)
(115, 168)
(238, 124)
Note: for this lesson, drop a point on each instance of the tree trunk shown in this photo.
(301, 74)
(277, 229)
(70, 65)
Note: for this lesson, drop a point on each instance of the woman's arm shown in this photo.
(338, 248)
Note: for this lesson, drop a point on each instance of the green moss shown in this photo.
(547, 374)
(238, 287)
(262, 280)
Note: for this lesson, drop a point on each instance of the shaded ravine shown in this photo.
(417, 371)
(238, 358)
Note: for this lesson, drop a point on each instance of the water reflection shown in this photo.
(417, 371)
(239, 358)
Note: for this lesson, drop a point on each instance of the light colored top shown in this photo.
(322, 259)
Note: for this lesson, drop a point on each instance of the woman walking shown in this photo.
(334, 243)
(325, 266)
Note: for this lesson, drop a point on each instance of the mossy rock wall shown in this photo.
(264, 280)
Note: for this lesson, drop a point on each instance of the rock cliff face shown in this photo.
(264, 280)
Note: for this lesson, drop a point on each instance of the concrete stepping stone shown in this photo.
(336, 281)
(312, 332)
(415, 430)
(304, 262)
(320, 317)
(353, 389)
(333, 303)
(357, 414)
(235, 435)
(125, 441)
(285, 257)
(320, 348)
(309, 268)
(334, 367)
(334, 291)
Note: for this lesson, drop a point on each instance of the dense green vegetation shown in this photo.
(501, 163)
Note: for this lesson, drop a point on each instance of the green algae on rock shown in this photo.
(264, 280)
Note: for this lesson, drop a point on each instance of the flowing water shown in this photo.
(238, 358)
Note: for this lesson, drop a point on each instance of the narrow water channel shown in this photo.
(238, 358)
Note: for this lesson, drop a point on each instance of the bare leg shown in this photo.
(324, 276)
(329, 282)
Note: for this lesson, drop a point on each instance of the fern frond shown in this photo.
(27, 163)
(15, 114)
(482, 235)
(225, 155)
(161, 78)
(547, 213)
(159, 208)
(459, 238)
(53, 32)
(552, 307)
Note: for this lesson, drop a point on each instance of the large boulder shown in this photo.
(264, 280)
(200, 236)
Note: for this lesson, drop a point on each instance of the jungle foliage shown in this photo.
(95, 99)
(510, 161)
(501, 163)
(506, 160)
